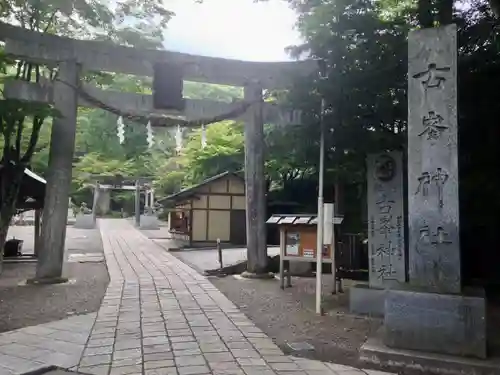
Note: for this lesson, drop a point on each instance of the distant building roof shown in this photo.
(31, 192)
(34, 176)
(193, 190)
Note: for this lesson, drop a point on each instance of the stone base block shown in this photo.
(47, 281)
(84, 221)
(375, 352)
(251, 275)
(438, 323)
(149, 222)
(367, 301)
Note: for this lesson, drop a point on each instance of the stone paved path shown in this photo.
(160, 317)
(58, 343)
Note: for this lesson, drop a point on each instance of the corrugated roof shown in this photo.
(299, 219)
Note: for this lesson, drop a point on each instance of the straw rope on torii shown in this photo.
(160, 120)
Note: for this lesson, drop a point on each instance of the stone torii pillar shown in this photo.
(62, 144)
(255, 183)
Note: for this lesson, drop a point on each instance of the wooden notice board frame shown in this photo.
(298, 237)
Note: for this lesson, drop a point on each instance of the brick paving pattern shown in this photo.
(160, 317)
(59, 343)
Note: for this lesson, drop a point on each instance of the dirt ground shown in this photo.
(24, 305)
(289, 317)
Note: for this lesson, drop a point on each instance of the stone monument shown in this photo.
(149, 220)
(85, 218)
(433, 313)
(386, 237)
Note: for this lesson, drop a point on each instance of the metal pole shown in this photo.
(137, 204)
(95, 201)
(319, 240)
(219, 252)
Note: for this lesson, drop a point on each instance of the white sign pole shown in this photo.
(328, 233)
(333, 247)
(319, 241)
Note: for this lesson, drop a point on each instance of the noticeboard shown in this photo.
(292, 244)
(300, 244)
(298, 237)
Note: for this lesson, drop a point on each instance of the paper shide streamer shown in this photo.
(178, 139)
(121, 129)
(150, 136)
(203, 136)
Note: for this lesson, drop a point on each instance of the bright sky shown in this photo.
(237, 29)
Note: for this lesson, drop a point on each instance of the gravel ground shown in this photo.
(24, 305)
(289, 316)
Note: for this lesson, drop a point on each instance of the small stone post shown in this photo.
(219, 253)
(255, 181)
(62, 144)
(386, 233)
(386, 237)
(95, 200)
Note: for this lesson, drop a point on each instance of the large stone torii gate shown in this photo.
(74, 56)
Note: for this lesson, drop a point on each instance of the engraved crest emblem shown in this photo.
(385, 168)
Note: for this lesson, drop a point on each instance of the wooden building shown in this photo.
(211, 210)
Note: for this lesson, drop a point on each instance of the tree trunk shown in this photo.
(11, 181)
(4, 229)
(425, 17)
(495, 7)
(445, 12)
(339, 197)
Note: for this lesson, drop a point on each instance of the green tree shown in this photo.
(129, 22)
(364, 63)
(224, 152)
(221, 93)
(19, 144)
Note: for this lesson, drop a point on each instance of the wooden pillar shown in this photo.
(137, 204)
(255, 183)
(62, 145)
(38, 214)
